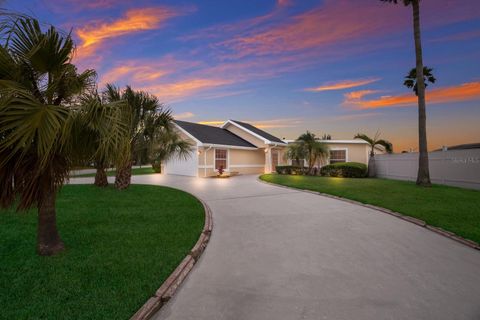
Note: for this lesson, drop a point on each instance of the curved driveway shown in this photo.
(279, 254)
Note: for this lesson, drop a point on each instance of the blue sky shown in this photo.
(332, 66)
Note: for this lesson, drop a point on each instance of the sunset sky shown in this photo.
(331, 66)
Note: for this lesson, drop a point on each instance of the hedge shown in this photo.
(290, 170)
(344, 169)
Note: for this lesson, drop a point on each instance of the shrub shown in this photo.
(290, 170)
(157, 166)
(344, 169)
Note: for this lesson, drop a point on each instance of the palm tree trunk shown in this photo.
(101, 176)
(123, 176)
(48, 239)
(371, 171)
(423, 175)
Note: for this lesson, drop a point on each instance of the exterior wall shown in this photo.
(355, 152)
(246, 136)
(238, 160)
(454, 167)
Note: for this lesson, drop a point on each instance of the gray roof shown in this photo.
(261, 133)
(463, 147)
(214, 135)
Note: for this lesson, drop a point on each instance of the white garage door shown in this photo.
(188, 167)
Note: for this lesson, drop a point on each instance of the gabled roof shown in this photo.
(213, 135)
(255, 131)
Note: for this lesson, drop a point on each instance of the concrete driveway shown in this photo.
(283, 254)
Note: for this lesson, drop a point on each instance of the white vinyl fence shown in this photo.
(459, 168)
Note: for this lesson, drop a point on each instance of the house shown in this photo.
(235, 146)
(239, 147)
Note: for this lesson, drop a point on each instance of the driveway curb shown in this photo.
(176, 278)
(418, 222)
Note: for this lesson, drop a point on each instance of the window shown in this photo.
(338, 156)
(220, 158)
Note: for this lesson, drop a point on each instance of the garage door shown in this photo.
(184, 167)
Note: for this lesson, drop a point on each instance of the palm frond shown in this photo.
(386, 144)
(364, 137)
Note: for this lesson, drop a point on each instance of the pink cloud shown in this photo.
(463, 92)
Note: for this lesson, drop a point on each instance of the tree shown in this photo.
(326, 136)
(42, 120)
(143, 112)
(167, 144)
(101, 134)
(307, 147)
(411, 79)
(423, 174)
(373, 143)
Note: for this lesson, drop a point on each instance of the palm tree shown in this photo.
(142, 109)
(168, 144)
(101, 134)
(411, 79)
(307, 147)
(423, 174)
(373, 143)
(42, 120)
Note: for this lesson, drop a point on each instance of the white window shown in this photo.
(338, 156)
(221, 159)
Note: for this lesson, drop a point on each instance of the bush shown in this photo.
(344, 169)
(290, 170)
(157, 166)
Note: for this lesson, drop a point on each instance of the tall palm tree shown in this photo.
(168, 144)
(411, 79)
(308, 147)
(142, 108)
(423, 174)
(42, 120)
(373, 143)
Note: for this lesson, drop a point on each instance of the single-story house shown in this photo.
(242, 148)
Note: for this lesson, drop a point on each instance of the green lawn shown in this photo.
(111, 172)
(121, 246)
(453, 209)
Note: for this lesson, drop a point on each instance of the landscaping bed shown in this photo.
(121, 246)
(453, 209)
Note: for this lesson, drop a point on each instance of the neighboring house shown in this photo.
(239, 147)
(236, 146)
(342, 151)
(466, 146)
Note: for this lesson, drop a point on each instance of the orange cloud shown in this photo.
(464, 92)
(135, 73)
(184, 115)
(135, 20)
(179, 90)
(215, 123)
(345, 84)
(356, 95)
(144, 72)
(264, 124)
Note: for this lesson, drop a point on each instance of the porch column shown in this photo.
(268, 160)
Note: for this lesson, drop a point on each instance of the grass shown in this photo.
(453, 209)
(111, 173)
(121, 246)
